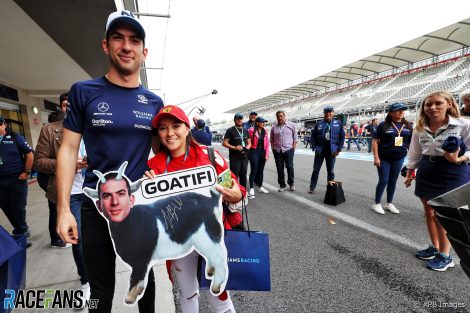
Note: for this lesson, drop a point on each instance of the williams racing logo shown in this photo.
(143, 115)
(47, 299)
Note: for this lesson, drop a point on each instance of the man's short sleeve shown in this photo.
(74, 116)
(228, 134)
(23, 144)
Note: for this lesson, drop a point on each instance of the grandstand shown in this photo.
(363, 89)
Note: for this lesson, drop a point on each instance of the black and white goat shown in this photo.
(169, 228)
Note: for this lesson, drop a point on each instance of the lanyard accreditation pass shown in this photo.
(327, 132)
(399, 138)
(241, 137)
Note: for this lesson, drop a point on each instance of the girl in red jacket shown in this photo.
(176, 151)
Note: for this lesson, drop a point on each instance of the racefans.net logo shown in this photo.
(47, 299)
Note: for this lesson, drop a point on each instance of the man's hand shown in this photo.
(335, 154)
(23, 176)
(67, 227)
(81, 163)
(239, 148)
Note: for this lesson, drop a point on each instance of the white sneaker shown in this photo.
(252, 192)
(86, 291)
(378, 208)
(263, 190)
(281, 189)
(391, 207)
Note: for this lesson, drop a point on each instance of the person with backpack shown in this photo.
(16, 161)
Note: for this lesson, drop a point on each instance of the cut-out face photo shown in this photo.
(115, 199)
(161, 219)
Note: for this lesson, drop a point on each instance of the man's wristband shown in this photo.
(27, 171)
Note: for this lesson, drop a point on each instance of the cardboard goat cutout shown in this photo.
(165, 218)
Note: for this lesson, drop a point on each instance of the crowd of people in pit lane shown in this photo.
(432, 163)
(62, 157)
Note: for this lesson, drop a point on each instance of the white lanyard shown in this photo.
(168, 158)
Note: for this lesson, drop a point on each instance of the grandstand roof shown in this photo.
(445, 40)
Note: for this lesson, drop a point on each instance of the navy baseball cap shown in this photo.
(397, 106)
(126, 17)
(201, 123)
(261, 119)
(238, 116)
(253, 113)
(328, 109)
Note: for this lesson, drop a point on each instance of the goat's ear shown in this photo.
(91, 193)
(135, 186)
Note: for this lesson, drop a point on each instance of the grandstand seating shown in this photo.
(410, 87)
(407, 87)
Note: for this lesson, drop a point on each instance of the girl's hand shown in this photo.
(408, 180)
(452, 157)
(150, 174)
(232, 195)
(377, 162)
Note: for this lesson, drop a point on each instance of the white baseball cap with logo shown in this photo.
(125, 17)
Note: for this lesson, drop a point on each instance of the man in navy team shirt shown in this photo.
(113, 113)
(16, 160)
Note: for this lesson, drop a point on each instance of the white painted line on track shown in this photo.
(347, 219)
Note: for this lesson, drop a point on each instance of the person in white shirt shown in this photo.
(438, 171)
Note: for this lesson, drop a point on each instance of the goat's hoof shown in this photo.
(210, 272)
(216, 289)
(132, 294)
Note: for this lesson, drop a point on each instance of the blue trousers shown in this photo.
(369, 144)
(13, 194)
(355, 141)
(317, 164)
(257, 162)
(286, 159)
(388, 175)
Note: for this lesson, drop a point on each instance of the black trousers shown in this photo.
(100, 261)
(239, 167)
(13, 196)
(286, 159)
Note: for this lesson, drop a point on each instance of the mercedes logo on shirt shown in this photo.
(103, 107)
